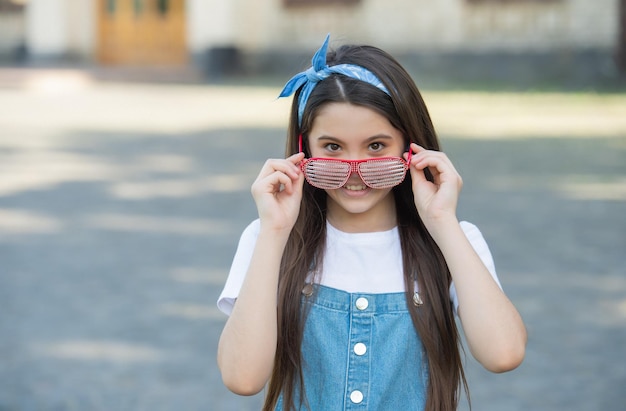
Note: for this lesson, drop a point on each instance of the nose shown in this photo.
(354, 169)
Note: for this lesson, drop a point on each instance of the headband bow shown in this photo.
(319, 71)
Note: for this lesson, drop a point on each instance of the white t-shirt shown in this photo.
(353, 262)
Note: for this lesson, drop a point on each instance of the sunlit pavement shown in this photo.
(121, 205)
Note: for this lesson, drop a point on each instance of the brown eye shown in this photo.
(376, 146)
(332, 147)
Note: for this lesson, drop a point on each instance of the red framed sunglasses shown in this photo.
(333, 173)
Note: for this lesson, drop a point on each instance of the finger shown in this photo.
(296, 184)
(440, 167)
(432, 159)
(290, 184)
(270, 184)
(417, 174)
(284, 166)
(286, 187)
(293, 187)
(293, 162)
(420, 153)
(299, 183)
(416, 148)
(296, 158)
(438, 171)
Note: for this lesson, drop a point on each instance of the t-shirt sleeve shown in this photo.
(239, 268)
(479, 244)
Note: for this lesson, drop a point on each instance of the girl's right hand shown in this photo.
(277, 192)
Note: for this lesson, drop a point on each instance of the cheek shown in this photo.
(315, 152)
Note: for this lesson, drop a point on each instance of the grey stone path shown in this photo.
(121, 206)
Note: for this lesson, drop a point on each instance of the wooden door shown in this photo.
(142, 32)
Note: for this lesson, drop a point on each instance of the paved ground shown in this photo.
(121, 205)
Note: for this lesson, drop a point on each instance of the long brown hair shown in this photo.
(422, 259)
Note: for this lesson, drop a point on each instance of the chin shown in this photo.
(360, 202)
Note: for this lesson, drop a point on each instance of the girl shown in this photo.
(347, 285)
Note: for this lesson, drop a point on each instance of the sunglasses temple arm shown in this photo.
(300, 143)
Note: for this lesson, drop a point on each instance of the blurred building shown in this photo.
(223, 34)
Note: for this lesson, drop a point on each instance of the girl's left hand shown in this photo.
(436, 200)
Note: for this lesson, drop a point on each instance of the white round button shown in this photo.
(356, 396)
(360, 349)
(362, 303)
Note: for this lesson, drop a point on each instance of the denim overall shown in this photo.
(361, 352)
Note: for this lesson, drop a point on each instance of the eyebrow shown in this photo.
(367, 140)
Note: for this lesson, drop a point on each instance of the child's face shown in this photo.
(346, 131)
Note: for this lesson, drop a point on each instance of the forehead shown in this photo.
(345, 121)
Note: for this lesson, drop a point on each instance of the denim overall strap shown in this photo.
(361, 352)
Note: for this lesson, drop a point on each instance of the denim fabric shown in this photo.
(361, 352)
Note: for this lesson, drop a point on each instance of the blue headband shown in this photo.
(319, 71)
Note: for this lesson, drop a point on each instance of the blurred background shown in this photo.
(131, 130)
